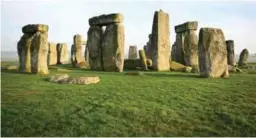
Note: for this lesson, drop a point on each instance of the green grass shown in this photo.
(152, 104)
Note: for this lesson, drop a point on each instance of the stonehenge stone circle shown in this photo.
(243, 58)
(76, 51)
(33, 49)
(106, 48)
(52, 54)
(231, 53)
(160, 42)
(132, 52)
(62, 53)
(186, 43)
(212, 53)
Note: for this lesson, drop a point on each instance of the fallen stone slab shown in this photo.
(65, 79)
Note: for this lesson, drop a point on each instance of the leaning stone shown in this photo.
(62, 53)
(143, 59)
(33, 28)
(132, 52)
(94, 38)
(243, 59)
(160, 47)
(231, 53)
(113, 48)
(212, 53)
(52, 54)
(186, 26)
(39, 54)
(106, 19)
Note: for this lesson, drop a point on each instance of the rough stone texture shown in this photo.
(131, 63)
(76, 51)
(86, 54)
(65, 79)
(106, 19)
(33, 28)
(133, 52)
(148, 50)
(94, 39)
(175, 66)
(186, 26)
(190, 48)
(52, 54)
(39, 53)
(231, 52)
(24, 53)
(180, 48)
(173, 52)
(243, 58)
(143, 59)
(113, 48)
(62, 53)
(212, 53)
(160, 47)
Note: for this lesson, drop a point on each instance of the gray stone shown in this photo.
(243, 58)
(191, 25)
(212, 53)
(33, 28)
(143, 60)
(62, 53)
(132, 52)
(231, 53)
(76, 51)
(190, 48)
(106, 19)
(52, 54)
(173, 52)
(160, 47)
(179, 51)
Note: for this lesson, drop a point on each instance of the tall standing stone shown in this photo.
(113, 48)
(133, 52)
(186, 43)
(212, 53)
(76, 51)
(231, 53)
(243, 58)
(52, 54)
(160, 47)
(39, 53)
(93, 44)
(62, 53)
(173, 52)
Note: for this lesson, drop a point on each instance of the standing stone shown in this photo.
(143, 59)
(39, 53)
(243, 59)
(231, 53)
(52, 54)
(24, 53)
(173, 52)
(160, 47)
(76, 51)
(186, 43)
(212, 53)
(113, 48)
(62, 53)
(86, 54)
(94, 47)
(133, 52)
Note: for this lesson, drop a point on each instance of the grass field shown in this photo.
(153, 104)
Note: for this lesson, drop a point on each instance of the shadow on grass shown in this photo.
(180, 75)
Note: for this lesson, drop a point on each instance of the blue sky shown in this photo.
(66, 18)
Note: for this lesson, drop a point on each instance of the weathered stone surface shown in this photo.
(160, 47)
(23, 47)
(186, 26)
(106, 19)
(62, 53)
(95, 34)
(58, 78)
(180, 48)
(113, 48)
(133, 52)
(76, 51)
(231, 52)
(52, 54)
(190, 48)
(243, 58)
(131, 63)
(39, 53)
(175, 66)
(65, 79)
(86, 54)
(33, 28)
(173, 52)
(212, 53)
(143, 60)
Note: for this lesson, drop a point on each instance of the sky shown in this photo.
(66, 18)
